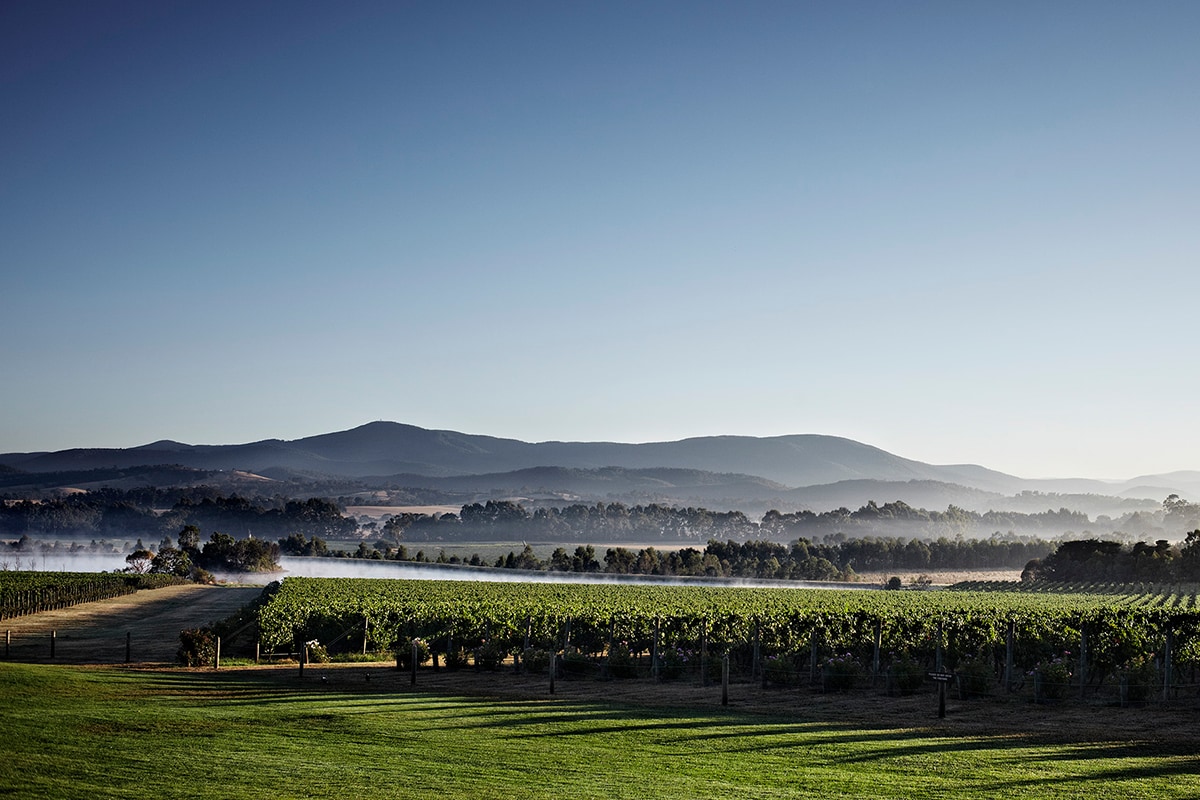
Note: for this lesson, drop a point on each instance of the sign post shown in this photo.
(942, 678)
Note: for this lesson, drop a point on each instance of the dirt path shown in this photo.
(95, 633)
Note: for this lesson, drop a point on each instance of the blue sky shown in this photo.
(963, 232)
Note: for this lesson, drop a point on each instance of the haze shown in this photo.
(964, 233)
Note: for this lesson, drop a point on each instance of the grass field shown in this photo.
(78, 732)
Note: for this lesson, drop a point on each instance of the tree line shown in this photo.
(835, 558)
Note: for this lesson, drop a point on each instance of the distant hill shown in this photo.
(753, 473)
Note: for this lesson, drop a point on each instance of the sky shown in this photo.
(962, 232)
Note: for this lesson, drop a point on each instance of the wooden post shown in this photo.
(1083, 645)
(303, 657)
(878, 648)
(566, 634)
(7, 643)
(756, 662)
(53, 641)
(725, 680)
(812, 656)
(654, 650)
(612, 633)
(938, 657)
(1009, 640)
(704, 652)
(366, 631)
(413, 679)
(257, 650)
(528, 629)
(553, 669)
(1167, 667)
(128, 646)
(217, 654)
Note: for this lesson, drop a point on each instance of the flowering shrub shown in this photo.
(672, 661)
(840, 673)
(905, 675)
(974, 676)
(404, 650)
(535, 660)
(490, 655)
(317, 654)
(780, 670)
(576, 663)
(1053, 676)
(1138, 677)
(621, 663)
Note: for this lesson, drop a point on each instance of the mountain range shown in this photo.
(732, 472)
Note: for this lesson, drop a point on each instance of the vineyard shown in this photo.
(1105, 637)
(30, 592)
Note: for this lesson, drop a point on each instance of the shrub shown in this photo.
(621, 663)
(1053, 676)
(317, 654)
(575, 663)
(198, 647)
(672, 661)
(840, 673)
(780, 671)
(905, 675)
(456, 659)
(974, 677)
(490, 655)
(404, 652)
(535, 660)
(1138, 678)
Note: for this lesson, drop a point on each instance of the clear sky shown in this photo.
(960, 231)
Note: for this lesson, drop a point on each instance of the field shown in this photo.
(361, 730)
(76, 732)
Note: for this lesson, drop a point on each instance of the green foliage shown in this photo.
(197, 647)
(905, 675)
(839, 673)
(781, 670)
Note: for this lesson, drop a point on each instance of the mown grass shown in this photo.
(108, 733)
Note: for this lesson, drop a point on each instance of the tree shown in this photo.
(139, 560)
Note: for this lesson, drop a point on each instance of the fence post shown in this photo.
(812, 656)
(878, 647)
(413, 680)
(366, 631)
(937, 664)
(654, 650)
(217, 654)
(704, 652)
(7, 643)
(1167, 665)
(303, 658)
(553, 669)
(1083, 644)
(128, 646)
(1009, 640)
(756, 663)
(257, 650)
(725, 680)
(53, 640)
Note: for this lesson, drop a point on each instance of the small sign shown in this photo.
(941, 677)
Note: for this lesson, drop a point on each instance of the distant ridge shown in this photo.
(809, 470)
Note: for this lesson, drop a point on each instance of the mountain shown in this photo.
(802, 470)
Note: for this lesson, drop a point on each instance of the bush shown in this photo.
(404, 652)
(1053, 676)
(1138, 678)
(490, 655)
(456, 659)
(780, 671)
(198, 647)
(621, 663)
(535, 660)
(672, 661)
(974, 677)
(576, 664)
(905, 675)
(840, 673)
(317, 654)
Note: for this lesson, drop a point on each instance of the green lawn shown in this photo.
(99, 733)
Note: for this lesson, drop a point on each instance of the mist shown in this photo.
(406, 570)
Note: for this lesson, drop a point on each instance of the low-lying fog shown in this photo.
(360, 568)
